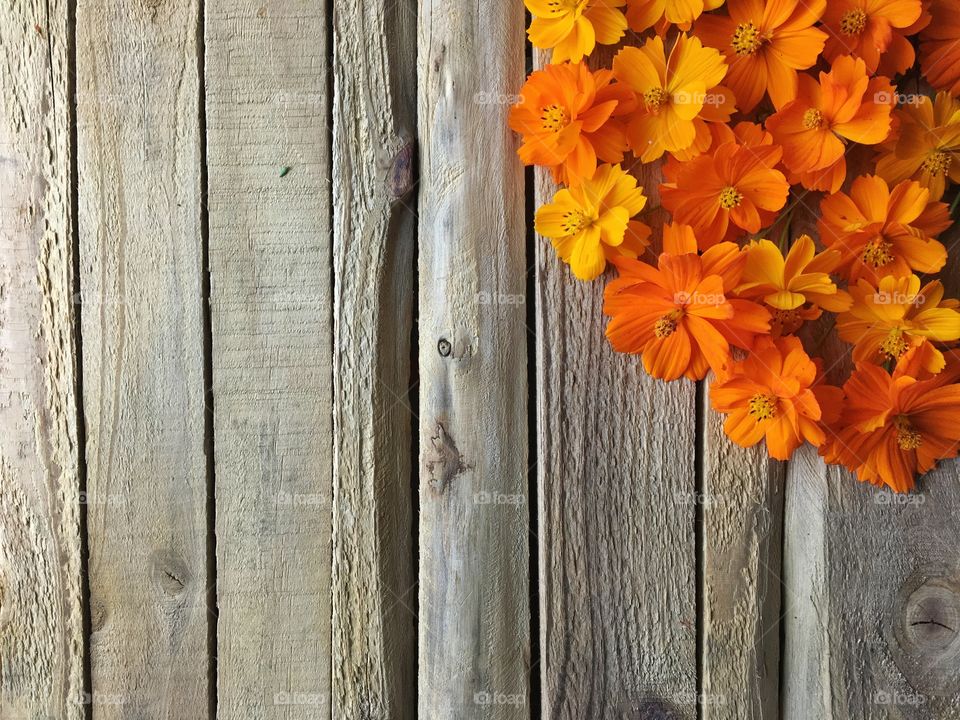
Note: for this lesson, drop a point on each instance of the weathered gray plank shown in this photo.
(269, 208)
(617, 494)
(742, 510)
(141, 267)
(41, 633)
(374, 576)
(474, 615)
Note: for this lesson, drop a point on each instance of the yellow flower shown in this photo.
(574, 27)
(888, 320)
(591, 222)
(672, 92)
(794, 288)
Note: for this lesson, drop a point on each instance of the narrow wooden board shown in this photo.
(474, 609)
(374, 157)
(141, 266)
(742, 510)
(267, 108)
(41, 619)
(617, 492)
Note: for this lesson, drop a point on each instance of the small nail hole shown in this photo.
(444, 347)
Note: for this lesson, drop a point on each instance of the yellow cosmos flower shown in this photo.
(643, 14)
(673, 92)
(574, 27)
(590, 223)
(888, 320)
(795, 287)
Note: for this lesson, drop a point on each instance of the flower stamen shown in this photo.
(853, 22)
(730, 197)
(666, 325)
(813, 119)
(746, 39)
(894, 345)
(762, 407)
(937, 163)
(554, 118)
(907, 437)
(655, 99)
(876, 253)
(574, 221)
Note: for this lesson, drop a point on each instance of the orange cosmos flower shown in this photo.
(565, 116)
(870, 29)
(678, 315)
(672, 92)
(591, 222)
(643, 14)
(765, 43)
(845, 105)
(893, 426)
(574, 27)
(927, 147)
(879, 231)
(733, 184)
(794, 288)
(940, 47)
(768, 395)
(887, 320)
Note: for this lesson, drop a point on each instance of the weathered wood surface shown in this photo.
(141, 268)
(742, 509)
(374, 155)
(617, 495)
(268, 153)
(474, 651)
(41, 621)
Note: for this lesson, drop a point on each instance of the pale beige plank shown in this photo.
(617, 490)
(269, 183)
(474, 615)
(742, 510)
(41, 625)
(141, 267)
(374, 574)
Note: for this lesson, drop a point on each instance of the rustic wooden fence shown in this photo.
(298, 420)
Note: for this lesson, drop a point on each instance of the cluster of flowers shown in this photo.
(739, 104)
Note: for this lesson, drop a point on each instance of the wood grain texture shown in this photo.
(617, 492)
(374, 573)
(269, 208)
(474, 610)
(742, 510)
(41, 621)
(141, 268)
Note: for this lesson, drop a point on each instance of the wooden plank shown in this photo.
(474, 614)
(141, 266)
(269, 210)
(742, 510)
(617, 489)
(374, 587)
(41, 619)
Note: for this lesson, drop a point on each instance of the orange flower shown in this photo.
(765, 44)
(733, 184)
(678, 314)
(940, 47)
(869, 29)
(591, 222)
(768, 395)
(889, 319)
(927, 148)
(574, 27)
(894, 426)
(643, 14)
(673, 92)
(794, 288)
(880, 231)
(565, 118)
(845, 105)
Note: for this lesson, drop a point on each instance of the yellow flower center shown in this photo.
(554, 118)
(893, 345)
(762, 407)
(666, 325)
(746, 39)
(813, 119)
(574, 221)
(937, 164)
(876, 253)
(853, 22)
(907, 437)
(786, 321)
(730, 197)
(655, 99)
